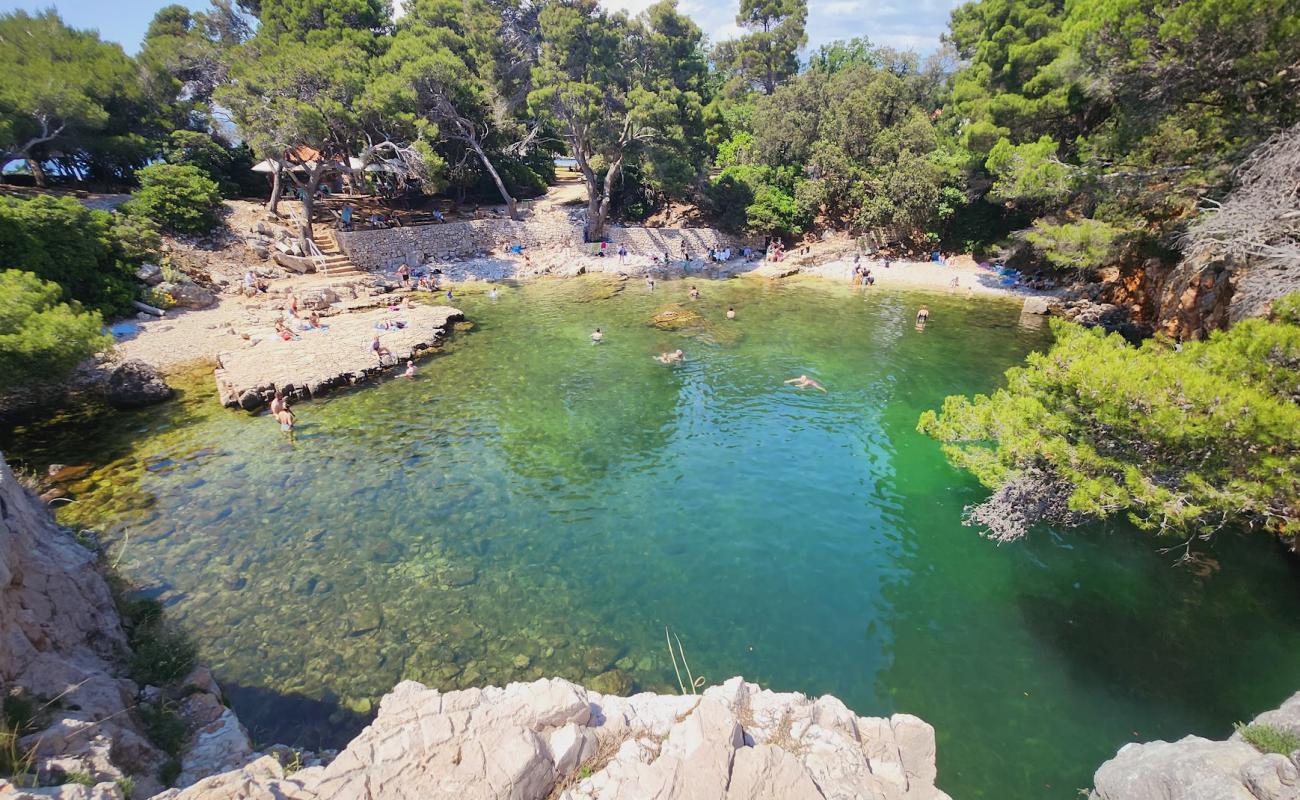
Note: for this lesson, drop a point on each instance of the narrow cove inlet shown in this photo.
(532, 504)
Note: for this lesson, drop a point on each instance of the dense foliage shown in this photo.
(90, 254)
(1184, 440)
(180, 198)
(40, 336)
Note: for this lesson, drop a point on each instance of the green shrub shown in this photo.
(79, 777)
(1268, 739)
(160, 655)
(41, 337)
(61, 240)
(165, 728)
(180, 198)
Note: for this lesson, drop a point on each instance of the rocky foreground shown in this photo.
(554, 739)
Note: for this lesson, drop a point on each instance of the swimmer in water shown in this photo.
(695, 293)
(923, 316)
(670, 358)
(410, 370)
(597, 336)
(803, 382)
(731, 312)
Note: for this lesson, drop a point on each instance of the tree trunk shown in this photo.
(38, 172)
(511, 204)
(598, 205)
(277, 187)
(309, 202)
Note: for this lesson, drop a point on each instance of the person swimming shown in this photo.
(695, 293)
(803, 382)
(670, 358)
(597, 336)
(731, 312)
(410, 370)
(923, 316)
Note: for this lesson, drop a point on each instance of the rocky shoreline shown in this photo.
(337, 355)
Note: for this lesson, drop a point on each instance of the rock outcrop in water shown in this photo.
(554, 739)
(1193, 768)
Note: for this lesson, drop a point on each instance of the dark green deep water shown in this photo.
(535, 505)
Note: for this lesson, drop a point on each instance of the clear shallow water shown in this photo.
(533, 504)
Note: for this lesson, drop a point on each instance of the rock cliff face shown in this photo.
(59, 639)
(1193, 768)
(61, 652)
(552, 739)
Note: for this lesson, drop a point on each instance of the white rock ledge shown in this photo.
(555, 740)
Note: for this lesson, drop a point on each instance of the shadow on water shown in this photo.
(294, 719)
(1211, 615)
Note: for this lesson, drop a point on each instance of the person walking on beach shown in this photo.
(622, 254)
(803, 382)
(377, 347)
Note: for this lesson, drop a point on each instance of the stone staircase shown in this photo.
(336, 263)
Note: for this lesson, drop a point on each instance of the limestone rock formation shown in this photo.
(135, 384)
(59, 637)
(554, 739)
(188, 295)
(1201, 769)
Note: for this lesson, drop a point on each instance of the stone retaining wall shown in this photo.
(388, 247)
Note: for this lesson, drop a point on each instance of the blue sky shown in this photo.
(912, 24)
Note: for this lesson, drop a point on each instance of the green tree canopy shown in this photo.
(1184, 441)
(64, 92)
(597, 85)
(767, 54)
(42, 338)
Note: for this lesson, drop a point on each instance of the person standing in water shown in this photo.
(731, 312)
(695, 293)
(597, 336)
(923, 316)
(803, 382)
(410, 369)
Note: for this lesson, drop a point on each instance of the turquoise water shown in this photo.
(534, 504)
